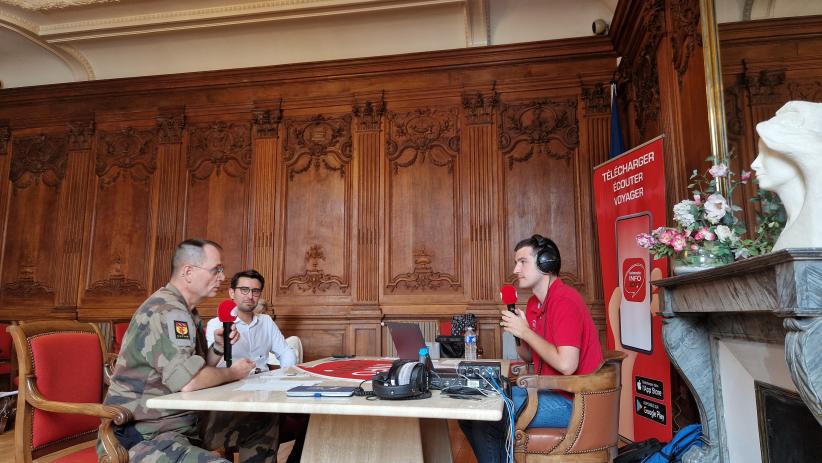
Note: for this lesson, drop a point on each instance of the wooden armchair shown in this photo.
(61, 387)
(592, 433)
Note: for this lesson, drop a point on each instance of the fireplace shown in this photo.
(787, 429)
(737, 334)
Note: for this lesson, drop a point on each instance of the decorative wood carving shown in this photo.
(808, 91)
(117, 284)
(479, 108)
(423, 277)
(733, 111)
(318, 141)
(5, 135)
(80, 134)
(26, 286)
(767, 87)
(38, 158)
(129, 153)
(369, 115)
(547, 126)
(642, 72)
(170, 127)
(422, 134)
(686, 33)
(224, 147)
(267, 121)
(597, 98)
(314, 278)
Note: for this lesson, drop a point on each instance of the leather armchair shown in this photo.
(592, 432)
(58, 403)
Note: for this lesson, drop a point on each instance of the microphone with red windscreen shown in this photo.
(227, 313)
(509, 298)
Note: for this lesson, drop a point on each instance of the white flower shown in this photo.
(723, 232)
(682, 213)
(742, 253)
(718, 170)
(715, 207)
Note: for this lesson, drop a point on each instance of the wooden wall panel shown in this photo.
(389, 188)
(423, 254)
(120, 259)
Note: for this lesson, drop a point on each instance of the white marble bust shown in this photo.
(790, 164)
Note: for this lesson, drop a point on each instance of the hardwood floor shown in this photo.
(459, 447)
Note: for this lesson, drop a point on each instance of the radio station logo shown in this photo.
(633, 279)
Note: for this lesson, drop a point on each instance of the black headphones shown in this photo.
(406, 379)
(547, 252)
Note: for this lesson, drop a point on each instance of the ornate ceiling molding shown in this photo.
(39, 5)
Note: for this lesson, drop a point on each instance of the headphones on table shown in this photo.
(406, 379)
(547, 255)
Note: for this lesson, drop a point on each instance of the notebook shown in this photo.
(321, 391)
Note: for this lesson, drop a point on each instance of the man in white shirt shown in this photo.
(259, 334)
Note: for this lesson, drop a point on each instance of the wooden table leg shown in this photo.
(341, 438)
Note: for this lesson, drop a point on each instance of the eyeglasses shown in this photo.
(245, 289)
(213, 271)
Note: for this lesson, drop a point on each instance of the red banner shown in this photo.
(629, 192)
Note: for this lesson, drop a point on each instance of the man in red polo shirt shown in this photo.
(557, 334)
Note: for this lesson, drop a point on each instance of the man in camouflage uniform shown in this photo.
(164, 351)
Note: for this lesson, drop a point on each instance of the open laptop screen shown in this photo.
(407, 339)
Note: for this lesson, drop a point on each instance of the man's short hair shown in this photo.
(545, 251)
(191, 252)
(251, 273)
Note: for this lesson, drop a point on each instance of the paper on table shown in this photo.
(274, 385)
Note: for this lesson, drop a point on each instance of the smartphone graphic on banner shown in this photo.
(634, 271)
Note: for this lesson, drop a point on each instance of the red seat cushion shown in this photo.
(88, 454)
(5, 368)
(119, 332)
(5, 342)
(69, 368)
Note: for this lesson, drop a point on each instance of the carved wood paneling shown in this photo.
(38, 168)
(80, 135)
(170, 125)
(423, 198)
(483, 167)
(264, 175)
(686, 33)
(122, 229)
(218, 200)
(538, 140)
(368, 121)
(5, 136)
(316, 197)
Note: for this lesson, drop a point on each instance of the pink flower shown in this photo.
(718, 170)
(666, 236)
(694, 247)
(645, 240)
(707, 235)
(746, 175)
(715, 208)
(697, 199)
(678, 243)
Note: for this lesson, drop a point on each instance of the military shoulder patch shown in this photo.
(181, 330)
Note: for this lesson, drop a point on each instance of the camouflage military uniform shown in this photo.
(163, 348)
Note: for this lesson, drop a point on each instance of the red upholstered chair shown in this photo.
(61, 387)
(5, 358)
(592, 433)
(119, 330)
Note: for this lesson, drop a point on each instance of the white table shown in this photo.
(351, 428)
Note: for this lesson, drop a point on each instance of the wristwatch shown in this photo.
(214, 348)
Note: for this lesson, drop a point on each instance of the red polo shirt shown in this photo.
(564, 320)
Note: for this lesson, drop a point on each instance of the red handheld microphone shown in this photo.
(509, 297)
(227, 313)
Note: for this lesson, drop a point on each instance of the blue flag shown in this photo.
(617, 145)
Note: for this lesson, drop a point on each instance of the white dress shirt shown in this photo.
(257, 339)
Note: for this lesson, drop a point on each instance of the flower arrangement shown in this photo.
(707, 230)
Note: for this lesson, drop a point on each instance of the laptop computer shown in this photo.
(408, 340)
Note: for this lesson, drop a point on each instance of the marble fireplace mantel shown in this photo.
(775, 298)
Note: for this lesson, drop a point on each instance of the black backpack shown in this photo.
(637, 451)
